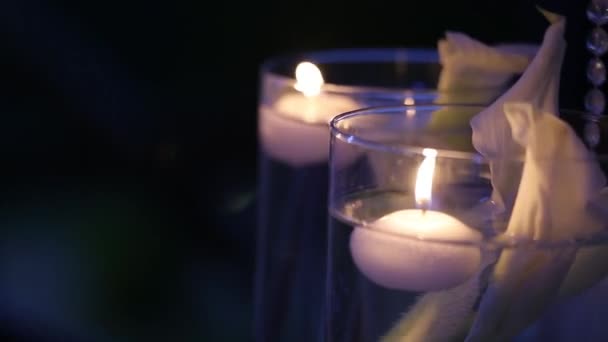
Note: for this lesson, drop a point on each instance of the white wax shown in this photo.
(295, 130)
(392, 251)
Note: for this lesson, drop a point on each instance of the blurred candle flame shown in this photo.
(309, 79)
(409, 101)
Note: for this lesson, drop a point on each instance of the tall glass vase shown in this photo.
(299, 95)
(420, 250)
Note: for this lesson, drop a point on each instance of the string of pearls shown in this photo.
(597, 44)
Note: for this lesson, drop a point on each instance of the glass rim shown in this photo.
(369, 144)
(408, 55)
(351, 55)
(364, 54)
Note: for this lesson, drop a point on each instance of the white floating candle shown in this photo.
(394, 251)
(295, 129)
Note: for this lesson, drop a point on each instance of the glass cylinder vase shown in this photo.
(299, 95)
(419, 248)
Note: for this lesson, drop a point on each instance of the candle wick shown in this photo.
(423, 205)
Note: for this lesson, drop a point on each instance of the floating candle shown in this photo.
(395, 252)
(295, 129)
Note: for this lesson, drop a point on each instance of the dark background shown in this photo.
(128, 151)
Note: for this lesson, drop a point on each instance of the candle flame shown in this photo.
(424, 178)
(309, 79)
(409, 101)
